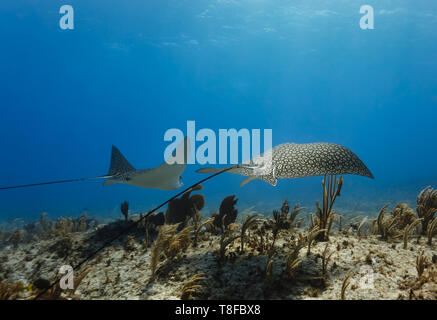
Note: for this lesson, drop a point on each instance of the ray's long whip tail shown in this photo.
(53, 182)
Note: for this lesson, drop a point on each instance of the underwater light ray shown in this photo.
(108, 242)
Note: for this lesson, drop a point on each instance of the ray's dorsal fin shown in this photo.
(119, 164)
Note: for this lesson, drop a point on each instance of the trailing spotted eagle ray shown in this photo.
(291, 160)
(164, 177)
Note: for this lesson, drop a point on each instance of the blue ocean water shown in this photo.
(131, 70)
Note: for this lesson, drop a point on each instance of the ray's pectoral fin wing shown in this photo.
(271, 178)
(171, 173)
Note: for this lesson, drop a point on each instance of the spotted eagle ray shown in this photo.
(291, 160)
(164, 177)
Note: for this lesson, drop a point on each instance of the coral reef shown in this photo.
(17, 237)
(180, 210)
(198, 224)
(331, 186)
(250, 222)
(392, 227)
(274, 256)
(293, 259)
(424, 285)
(46, 292)
(387, 227)
(11, 291)
(192, 286)
(431, 230)
(402, 222)
(360, 227)
(46, 229)
(408, 229)
(150, 226)
(124, 208)
(226, 239)
(129, 243)
(63, 247)
(346, 283)
(156, 219)
(426, 206)
(281, 221)
(405, 214)
(65, 226)
(169, 244)
(46, 225)
(227, 213)
(224, 271)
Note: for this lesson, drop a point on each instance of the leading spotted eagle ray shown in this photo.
(164, 177)
(291, 160)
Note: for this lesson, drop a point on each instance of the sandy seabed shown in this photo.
(373, 269)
